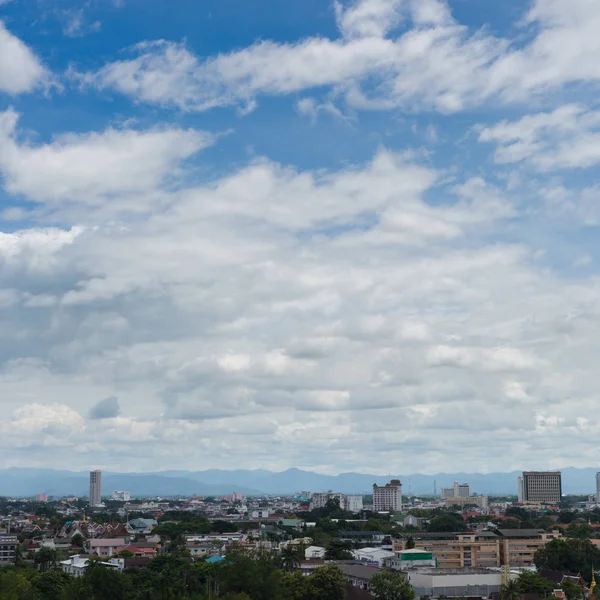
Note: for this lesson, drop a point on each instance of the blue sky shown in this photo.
(317, 234)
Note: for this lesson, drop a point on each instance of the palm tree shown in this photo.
(289, 559)
(511, 591)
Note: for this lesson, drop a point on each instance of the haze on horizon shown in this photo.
(354, 236)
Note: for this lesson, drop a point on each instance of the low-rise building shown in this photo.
(455, 583)
(462, 501)
(8, 547)
(313, 552)
(457, 550)
(518, 546)
(410, 559)
(372, 556)
(105, 547)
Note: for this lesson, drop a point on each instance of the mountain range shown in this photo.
(28, 482)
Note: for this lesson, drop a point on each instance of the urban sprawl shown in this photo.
(311, 545)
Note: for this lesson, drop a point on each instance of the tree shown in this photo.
(290, 559)
(45, 558)
(530, 582)
(572, 555)
(572, 590)
(78, 540)
(410, 542)
(295, 586)
(447, 522)
(327, 583)
(510, 591)
(338, 550)
(52, 584)
(391, 585)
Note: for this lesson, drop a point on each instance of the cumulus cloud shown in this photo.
(433, 62)
(20, 69)
(567, 137)
(90, 168)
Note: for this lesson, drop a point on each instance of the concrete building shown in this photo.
(313, 552)
(41, 497)
(105, 548)
(374, 557)
(8, 546)
(77, 564)
(455, 583)
(388, 498)
(597, 488)
(512, 547)
(457, 550)
(410, 559)
(520, 490)
(95, 488)
(518, 546)
(354, 504)
(358, 576)
(121, 496)
(458, 490)
(542, 487)
(480, 501)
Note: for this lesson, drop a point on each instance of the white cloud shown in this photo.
(432, 63)
(567, 137)
(90, 168)
(20, 69)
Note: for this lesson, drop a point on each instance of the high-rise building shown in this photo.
(597, 488)
(95, 488)
(520, 490)
(458, 490)
(354, 504)
(542, 487)
(387, 498)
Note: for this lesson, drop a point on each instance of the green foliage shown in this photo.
(530, 582)
(447, 522)
(511, 591)
(572, 555)
(572, 590)
(391, 585)
(327, 583)
(338, 550)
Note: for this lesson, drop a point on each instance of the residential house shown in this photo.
(105, 547)
(313, 552)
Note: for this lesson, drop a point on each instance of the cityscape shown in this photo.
(299, 299)
(455, 544)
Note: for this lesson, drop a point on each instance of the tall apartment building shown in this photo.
(520, 490)
(597, 488)
(541, 487)
(387, 498)
(95, 488)
(121, 496)
(320, 499)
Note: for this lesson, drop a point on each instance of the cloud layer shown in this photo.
(178, 300)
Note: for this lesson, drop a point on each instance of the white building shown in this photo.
(95, 488)
(121, 496)
(314, 552)
(521, 489)
(261, 513)
(388, 498)
(455, 583)
(373, 556)
(76, 565)
(354, 504)
(320, 499)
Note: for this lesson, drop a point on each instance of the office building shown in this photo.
(388, 498)
(95, 488)
(462, 501)
(520, 490)
(41, 497)
(458, 490)
(542, 487)
(121, 496)
(518, 546)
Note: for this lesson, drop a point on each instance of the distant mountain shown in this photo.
(215, 482)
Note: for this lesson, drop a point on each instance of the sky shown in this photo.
(359, 235)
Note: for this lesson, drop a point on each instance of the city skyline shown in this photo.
(354, 235)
